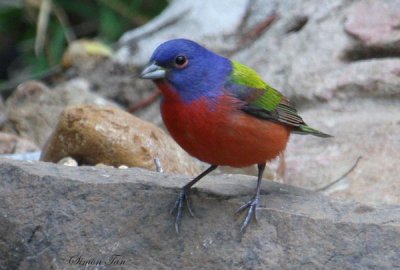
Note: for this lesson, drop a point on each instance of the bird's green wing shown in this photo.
(263, 101)
(260, 99)
(248, 86)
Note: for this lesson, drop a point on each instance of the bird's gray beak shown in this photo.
(152, 72)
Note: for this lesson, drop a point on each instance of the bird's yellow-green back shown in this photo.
(263, 101)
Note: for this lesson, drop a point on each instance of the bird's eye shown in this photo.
(181, 61)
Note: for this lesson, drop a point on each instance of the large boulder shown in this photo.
(58, 217)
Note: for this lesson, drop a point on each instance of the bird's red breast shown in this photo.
(218, 132)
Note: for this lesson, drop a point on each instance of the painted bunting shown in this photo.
(221, 112)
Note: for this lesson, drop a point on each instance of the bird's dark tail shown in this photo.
(304, 129)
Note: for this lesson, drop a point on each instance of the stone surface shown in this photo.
(11, 144)
(374, 136)
(32, 110)
(374, 22)
(27, 156)
(51, 215)
(187, 15)
(91, 61)
(94, 134)
(118, 83)
(338, 61)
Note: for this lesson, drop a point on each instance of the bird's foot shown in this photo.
(179, 205)
(252, 206)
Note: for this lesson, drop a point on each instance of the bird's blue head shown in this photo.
(192, 70)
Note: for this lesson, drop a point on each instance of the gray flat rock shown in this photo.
(58, 217)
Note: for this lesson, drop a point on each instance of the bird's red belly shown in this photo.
(222, 134)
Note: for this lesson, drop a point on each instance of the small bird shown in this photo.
(221, 112)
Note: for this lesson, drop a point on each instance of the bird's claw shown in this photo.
(179, 205)
(252, 206)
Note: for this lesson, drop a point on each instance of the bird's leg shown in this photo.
(184, 196)
(252, 205)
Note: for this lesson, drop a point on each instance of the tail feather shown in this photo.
(304, 129)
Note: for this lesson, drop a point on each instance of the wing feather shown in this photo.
(259, 99)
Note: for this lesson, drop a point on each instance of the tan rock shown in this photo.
(93, 134)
